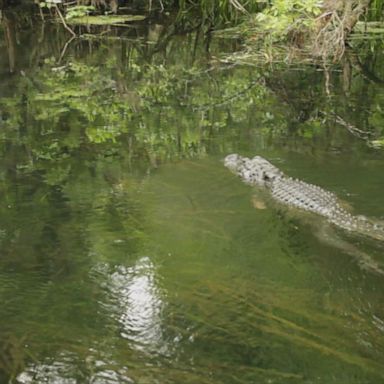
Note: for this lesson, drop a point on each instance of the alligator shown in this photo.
(299, 194)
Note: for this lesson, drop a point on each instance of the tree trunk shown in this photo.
(10, 41)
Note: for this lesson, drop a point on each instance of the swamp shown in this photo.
(128, 252)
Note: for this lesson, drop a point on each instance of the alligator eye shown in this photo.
(265, 177)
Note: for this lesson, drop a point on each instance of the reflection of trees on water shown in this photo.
(160, 93)
(50, 238)
(9, 35)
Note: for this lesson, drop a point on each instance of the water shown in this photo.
(129, 254)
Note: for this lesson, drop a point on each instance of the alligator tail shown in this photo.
(360, 224)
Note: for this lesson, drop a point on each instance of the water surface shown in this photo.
(129, 254)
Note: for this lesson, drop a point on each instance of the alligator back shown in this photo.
(305, 196)
(299, 194)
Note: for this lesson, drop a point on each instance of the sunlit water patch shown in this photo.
(136, 302)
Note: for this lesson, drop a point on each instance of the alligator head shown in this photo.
(256, 171)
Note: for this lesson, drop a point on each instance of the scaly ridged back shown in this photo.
(299, 194)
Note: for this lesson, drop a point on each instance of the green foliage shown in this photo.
(282, 31)
(78, 11)
(49, 3)
(214, 12)
(284, 17)
(376, 10)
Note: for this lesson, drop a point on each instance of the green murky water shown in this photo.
(129, 254)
